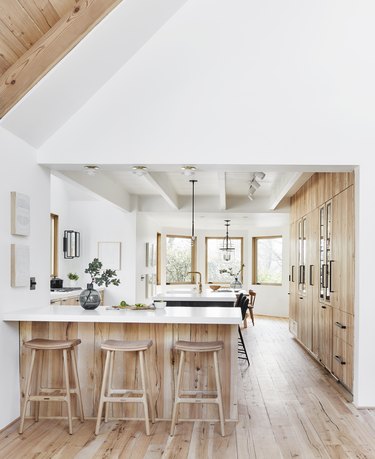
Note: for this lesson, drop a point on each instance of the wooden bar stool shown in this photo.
(112, 346)
(66, 346)
(188, 346)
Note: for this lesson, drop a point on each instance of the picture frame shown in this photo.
(148, 254)
(20, 214)
(20, 265)
(109, 253)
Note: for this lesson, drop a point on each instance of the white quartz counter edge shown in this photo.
(168, 315)
(210, 296)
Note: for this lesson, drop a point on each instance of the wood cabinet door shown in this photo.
(293, 279)
(325, 335)
(312, 275)
(343, 251)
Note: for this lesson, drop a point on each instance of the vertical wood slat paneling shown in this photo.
(161, 360)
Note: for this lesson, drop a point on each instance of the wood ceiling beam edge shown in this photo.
(168, 194)
(35, 63)
(222, 191)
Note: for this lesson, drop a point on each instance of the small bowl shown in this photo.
(214, 287)
(160, 304)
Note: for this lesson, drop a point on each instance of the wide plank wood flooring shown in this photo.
(289, 407)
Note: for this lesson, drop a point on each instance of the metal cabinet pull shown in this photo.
(330, 276)
(324, 275)
(339, 359)
(340, 325)
(293, 273)
(324, 307)
(311, 276)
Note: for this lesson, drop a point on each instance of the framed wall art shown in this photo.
(20, 213)
(20, 265)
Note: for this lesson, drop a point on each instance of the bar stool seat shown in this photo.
(63, 394)
(180, 396)
(107, 391)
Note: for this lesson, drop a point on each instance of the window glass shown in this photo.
(215, 262)
(267, 253)
(179, 259)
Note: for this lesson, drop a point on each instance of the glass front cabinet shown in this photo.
(325, 252)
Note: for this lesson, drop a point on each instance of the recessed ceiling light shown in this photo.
(91, 169)
(139, 170)
(188, 170)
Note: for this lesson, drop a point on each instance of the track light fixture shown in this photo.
(254, 183)
(139, 170)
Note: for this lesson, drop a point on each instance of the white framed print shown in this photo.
(20, 265)
(109, 253)
(20, 213)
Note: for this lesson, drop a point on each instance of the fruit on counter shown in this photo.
(139, 305)
(123, 303)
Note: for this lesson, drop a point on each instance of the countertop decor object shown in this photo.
(214, 287)
(90, 298)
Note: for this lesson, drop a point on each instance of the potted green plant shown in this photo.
(73, 277)
(90, 298)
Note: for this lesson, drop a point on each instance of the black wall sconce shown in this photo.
(71, 244)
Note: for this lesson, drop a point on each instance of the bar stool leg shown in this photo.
(144, 397)
(27, 391)
(76, 380)
(176, 399)
(39, 383)
(67, 385)
(219, 395)
(102, 391)
(149, 395)
(109, 387)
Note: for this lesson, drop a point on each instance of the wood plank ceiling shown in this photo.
(35, 35)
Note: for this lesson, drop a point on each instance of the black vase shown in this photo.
(89, 298)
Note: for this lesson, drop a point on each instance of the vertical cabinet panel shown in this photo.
(343, 251)
(293, 279)
(325, 335)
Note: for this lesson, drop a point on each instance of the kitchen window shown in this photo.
(180, 259)
(215, 262)
(267, 260)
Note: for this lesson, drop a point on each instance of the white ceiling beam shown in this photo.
(163, 187)
(287, 186)
(222, 191)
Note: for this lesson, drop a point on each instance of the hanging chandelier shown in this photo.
(193, 237)
(227, 247)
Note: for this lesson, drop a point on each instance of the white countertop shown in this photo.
(208, 295)
(168, 315)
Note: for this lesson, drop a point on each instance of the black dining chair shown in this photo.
(243, 303)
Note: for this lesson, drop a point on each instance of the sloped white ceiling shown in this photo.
(256, 82)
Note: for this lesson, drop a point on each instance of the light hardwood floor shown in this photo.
(289, 407)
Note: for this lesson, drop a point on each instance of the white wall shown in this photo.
(20, 172)
(96, 220)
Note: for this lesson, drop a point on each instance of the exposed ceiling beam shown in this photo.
(50, 49)
(222, 191)
(289, 184)
(164, 188)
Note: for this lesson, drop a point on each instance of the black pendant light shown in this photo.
(227, 247)
(193, 237)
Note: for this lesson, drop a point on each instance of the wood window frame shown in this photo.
(206, 258)
(255, 259)
(193, 260)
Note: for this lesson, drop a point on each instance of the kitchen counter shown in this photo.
(195, 299)
(163, 326)
(176, 315)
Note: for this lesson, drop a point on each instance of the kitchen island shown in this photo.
(163, 326)
(195, 299)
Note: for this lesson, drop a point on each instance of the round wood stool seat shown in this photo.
(51, 344)
(191, 346)
(38, 347)
(110, 395)
(185, 396)
(126, 346)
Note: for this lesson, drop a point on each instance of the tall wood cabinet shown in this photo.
(321, 276)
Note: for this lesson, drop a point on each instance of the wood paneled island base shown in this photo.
(161, 360)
